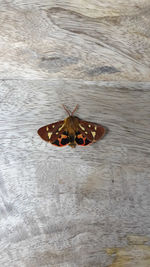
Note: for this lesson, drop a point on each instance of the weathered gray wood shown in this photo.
(96, 42)
(84, 206)
(65, 207)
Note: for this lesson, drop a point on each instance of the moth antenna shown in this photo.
(66, 110)
(74, 110)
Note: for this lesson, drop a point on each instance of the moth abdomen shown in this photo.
(71, 138)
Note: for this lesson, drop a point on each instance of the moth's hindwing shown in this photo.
(52, 132)
(91, 131)
(62, 140)
(82, 140)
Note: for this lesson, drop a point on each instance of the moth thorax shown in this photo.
(71, 123)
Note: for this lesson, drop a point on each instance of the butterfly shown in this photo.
(71, 131)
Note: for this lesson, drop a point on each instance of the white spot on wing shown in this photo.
(47, 128)
(89, 125)
(82, 127)
(93, 133)
(49, 135)
(53, 126)
(95, 128)
(61, 128)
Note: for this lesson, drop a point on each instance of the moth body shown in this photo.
(71, 124)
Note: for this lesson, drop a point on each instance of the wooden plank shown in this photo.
(66, 207)
(84, 206)
(66, 42)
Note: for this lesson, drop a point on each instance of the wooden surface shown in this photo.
(65, 207)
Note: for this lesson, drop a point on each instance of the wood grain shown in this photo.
(68, 41)
(87, 207)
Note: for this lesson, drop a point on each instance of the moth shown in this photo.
(71, 131)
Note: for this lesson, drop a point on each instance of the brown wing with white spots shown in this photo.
(92, 131)
(51, 132)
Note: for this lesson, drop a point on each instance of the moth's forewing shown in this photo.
(51, 132)
(100, 132)
(91, 130)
